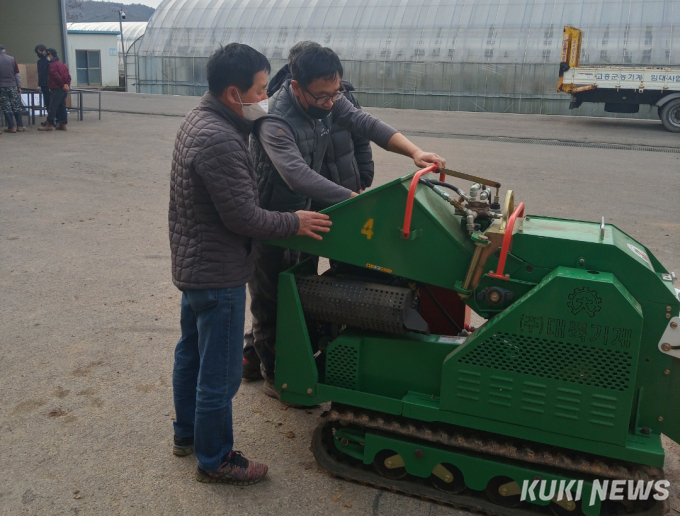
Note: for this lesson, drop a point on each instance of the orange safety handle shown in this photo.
(412, 193)
(507, 243)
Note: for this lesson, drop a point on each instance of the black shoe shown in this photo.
(183, 446)
(251, 369)
(236, 470)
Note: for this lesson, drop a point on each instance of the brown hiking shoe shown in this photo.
(62, 127)
(11, 130)
(235, 470)
(46, 127)
(21, 129)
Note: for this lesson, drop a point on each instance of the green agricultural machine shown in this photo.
(569, 379)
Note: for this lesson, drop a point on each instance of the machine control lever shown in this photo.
(412, 193)
(507, 242)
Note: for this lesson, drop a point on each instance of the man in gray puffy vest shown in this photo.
(289, 147)
(348, 162)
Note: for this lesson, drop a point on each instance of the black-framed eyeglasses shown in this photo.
(323, 99)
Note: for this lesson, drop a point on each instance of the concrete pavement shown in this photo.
(89, 315)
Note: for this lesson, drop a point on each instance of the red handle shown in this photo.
(507, 242)
(412, 193)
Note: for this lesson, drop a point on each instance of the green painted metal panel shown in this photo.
(439, 254)
(562, 359)
(549, 243)
(387, 365)
(359, 399)
(295, 365)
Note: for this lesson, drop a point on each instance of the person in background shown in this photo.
(43, 68)
(348, 162)
(10, 91)
(59, 83)
(213, 218)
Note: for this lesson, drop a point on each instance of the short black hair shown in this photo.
(315, 63)
(52, 52)
(235, 65)
(298, 48)
(40, 48)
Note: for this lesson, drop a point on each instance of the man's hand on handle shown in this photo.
(402, 145)
(423, 159)
(312, 223)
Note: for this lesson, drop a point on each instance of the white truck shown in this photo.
(621, 88)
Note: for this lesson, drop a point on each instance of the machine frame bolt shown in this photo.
(668, 309)
(645, 430)
(667, 371)
(418, 453)
(309, 391)
(661, 420)
(665, 346)
(284, 386)
(668, 316)
(344, 441)
(674, 325)
(527, 218)
(582, 261)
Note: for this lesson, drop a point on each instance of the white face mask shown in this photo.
(254, 110)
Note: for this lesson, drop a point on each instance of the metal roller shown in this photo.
(369, 306)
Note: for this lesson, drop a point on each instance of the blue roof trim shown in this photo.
(111, 32)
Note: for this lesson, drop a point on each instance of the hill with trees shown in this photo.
(93, 11)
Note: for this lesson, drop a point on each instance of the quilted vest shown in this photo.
(311, 138)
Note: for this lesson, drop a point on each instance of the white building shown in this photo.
(93, 58)
(132, 32)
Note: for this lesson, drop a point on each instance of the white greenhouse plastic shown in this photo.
(472, 55)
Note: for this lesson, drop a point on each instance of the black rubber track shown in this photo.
(340, 465)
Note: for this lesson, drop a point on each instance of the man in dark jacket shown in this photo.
(43, 68)
(10, 91)
(289, 147)
(59, 83)
(348, 162)
(213, 218)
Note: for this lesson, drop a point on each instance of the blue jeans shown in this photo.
(208, 369)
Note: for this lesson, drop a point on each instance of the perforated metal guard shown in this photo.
(548, 359)
(369, 306)
(342, 366)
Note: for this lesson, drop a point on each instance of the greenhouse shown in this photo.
(469, 55)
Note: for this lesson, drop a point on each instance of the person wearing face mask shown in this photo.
(348, 162)
(213, 218)
(59, 82)
(288, 148)
(43, 69)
